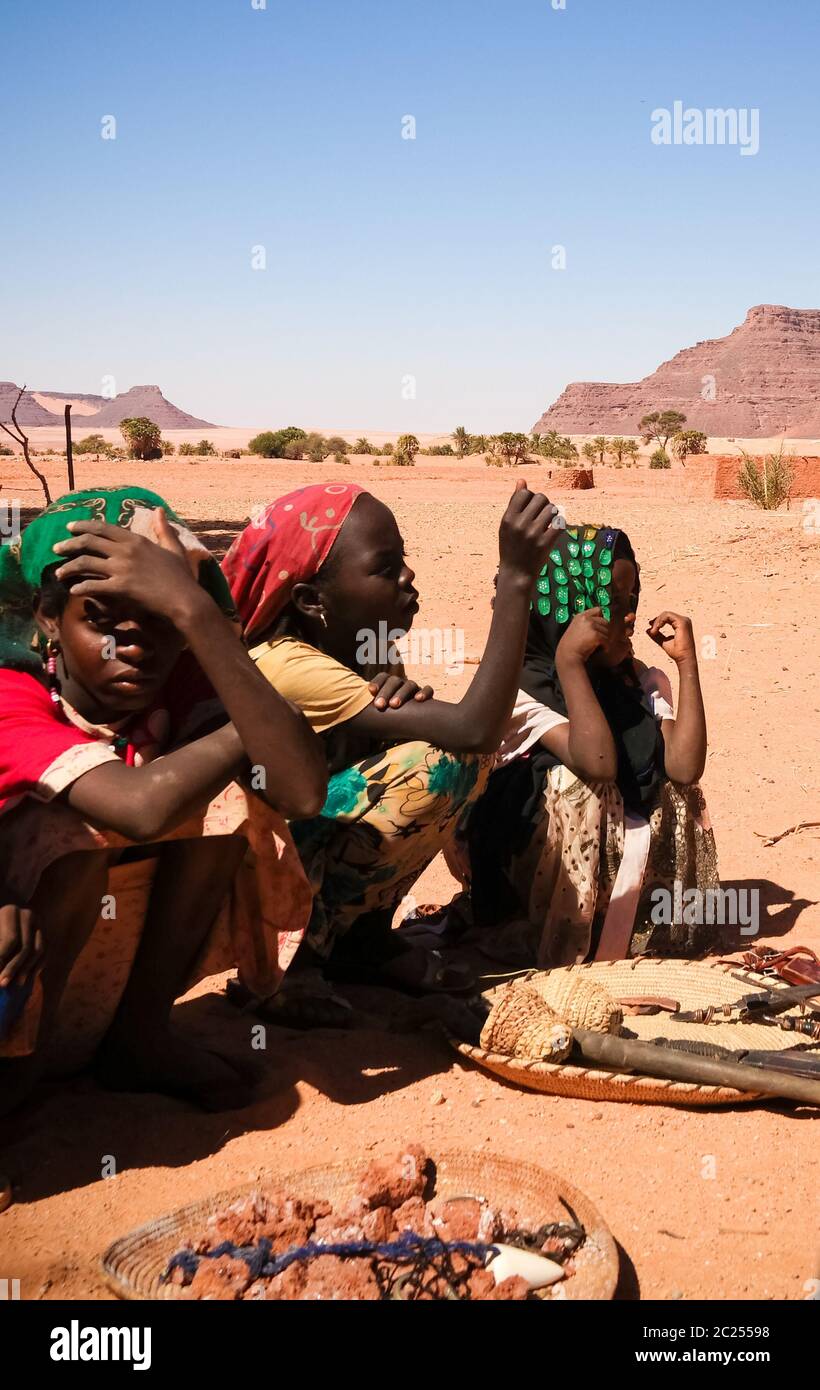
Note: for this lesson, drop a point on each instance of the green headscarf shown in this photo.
(24, 561)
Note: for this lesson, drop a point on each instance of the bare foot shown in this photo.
(169, 1064)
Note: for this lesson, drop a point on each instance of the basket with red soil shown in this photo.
(460, 1227)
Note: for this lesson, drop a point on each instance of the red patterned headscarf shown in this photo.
(283, 546)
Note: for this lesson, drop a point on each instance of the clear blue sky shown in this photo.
(387, 257)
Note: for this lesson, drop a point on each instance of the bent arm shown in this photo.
(584, 744)
(145, 803)
(275, 736)
(477, 722)
(684, 737)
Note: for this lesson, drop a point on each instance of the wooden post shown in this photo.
(68, 450)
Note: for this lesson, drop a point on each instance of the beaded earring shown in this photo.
(50, 662)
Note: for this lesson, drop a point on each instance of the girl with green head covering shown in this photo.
(128, 709)
(595, 804)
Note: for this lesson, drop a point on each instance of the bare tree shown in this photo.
(16, 433)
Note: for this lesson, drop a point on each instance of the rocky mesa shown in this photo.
(762, 379)
(38, 408)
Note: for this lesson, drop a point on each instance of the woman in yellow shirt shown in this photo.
(317, 579)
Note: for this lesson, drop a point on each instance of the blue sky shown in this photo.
(388, 258)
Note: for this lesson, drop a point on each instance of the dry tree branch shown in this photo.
(22, 439)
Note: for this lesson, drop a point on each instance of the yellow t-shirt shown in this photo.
(326, 692)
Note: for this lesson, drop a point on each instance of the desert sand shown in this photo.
(751, 581)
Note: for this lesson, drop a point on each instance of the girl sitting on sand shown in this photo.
(596, 803)
(318, 573)
(136, 659)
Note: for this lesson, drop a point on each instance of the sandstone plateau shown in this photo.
(761, 380)
(46, 408)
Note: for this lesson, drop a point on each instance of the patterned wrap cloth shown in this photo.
(285, 545)
(258, 928)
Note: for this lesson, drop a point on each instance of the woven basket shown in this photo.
(694, 984)
(133, 1266)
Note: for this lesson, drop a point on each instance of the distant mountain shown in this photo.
(29, 412)
(140, 400)
(148, 401)
(762, 379)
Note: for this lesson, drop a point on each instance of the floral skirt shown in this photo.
(581, 863)
(385, 818)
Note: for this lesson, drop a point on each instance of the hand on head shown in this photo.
(110, 561)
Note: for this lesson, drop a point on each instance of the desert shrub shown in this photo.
(5, 452)
(315, 447)
(339, 456)
(92, 444)
(407, 446)
(767, 483)
(167, 447)
(387, 449)
(493, 460)
(142, 437)
(589, 452)
(660, 459)
(206, 449)
(687, 442)
(186, 450)
(337, 445)
(271, 444)
(363, 446)
(553, 445)
(510, 447)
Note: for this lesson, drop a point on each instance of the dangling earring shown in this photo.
(323, 618)
(52, 651)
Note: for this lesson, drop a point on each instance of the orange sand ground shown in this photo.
(752, 583)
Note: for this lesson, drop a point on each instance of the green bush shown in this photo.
(660, 459)
(92, 444)
(185, 450)
(768, 485)
(142, 437)
(271, 444)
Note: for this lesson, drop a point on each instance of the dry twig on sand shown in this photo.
(16, 433)
(792, 830)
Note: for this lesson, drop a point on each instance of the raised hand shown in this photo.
(527, 531)
(586, 633)
(679, 644)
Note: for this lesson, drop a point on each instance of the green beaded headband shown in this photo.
(569, 586)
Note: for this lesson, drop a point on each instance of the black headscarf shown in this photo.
(577, 576)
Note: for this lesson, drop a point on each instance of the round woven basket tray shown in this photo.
(134, 1265)
(694, 984)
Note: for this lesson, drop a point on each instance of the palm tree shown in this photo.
(461, 439)
(408, 446)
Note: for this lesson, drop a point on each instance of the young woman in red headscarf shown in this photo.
(317, 578)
